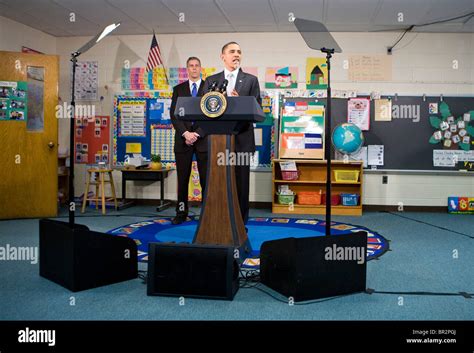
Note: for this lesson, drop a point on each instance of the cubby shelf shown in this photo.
(312, 177)
(314, 182)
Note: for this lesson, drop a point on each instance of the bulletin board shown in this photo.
(142, 126)
(92, 140)
(13, 100)
(155, 133)
(406, 137)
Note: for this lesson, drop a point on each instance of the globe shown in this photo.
(347, 138)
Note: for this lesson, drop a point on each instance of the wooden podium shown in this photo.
(221, 221)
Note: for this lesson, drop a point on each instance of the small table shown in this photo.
(146, 174)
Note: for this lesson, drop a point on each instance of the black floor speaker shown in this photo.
(80, 259)
(316, 267)
(192, 270)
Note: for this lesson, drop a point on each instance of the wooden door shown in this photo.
(28, 142)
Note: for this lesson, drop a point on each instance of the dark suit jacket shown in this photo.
(182, 90)
(245, 85)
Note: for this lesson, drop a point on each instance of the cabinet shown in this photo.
(312, 178)
(63, 179)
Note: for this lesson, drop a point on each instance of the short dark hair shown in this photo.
(192, 58)
(226, 45)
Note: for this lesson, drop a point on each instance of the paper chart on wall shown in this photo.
(358, 112)
(361, 155)
(375, 155)
(87, 81)
(132, 120)
(450, 158)
(383, 110)
(370, 68)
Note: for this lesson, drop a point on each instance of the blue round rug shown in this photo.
(259, 230)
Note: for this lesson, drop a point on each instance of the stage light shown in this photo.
(105, 32)
(74, 55)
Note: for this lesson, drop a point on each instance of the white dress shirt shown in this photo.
(232, 81)
(198, 84)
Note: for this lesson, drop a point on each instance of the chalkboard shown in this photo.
(406, 141)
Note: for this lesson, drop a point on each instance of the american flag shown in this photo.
(154, 57)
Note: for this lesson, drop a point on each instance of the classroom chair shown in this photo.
(99, 181)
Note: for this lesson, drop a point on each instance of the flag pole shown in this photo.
(162, 62)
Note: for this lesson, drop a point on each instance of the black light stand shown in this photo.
(318, 37)
(327, 143)
(284, 262)
(71, 205)
(70, 254)
(106, 31)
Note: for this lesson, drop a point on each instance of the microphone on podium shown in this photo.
(212, 87)
(223, 87)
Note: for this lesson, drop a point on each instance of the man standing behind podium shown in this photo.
(189, 139)
(239, 84)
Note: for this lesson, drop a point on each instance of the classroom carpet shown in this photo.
(422, 277)
(260, 229)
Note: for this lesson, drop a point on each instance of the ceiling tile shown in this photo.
(307, 9)
(218, 16)
(402, 12)
(195, 13)
(147, 12)
(350, 12)
(248, 12)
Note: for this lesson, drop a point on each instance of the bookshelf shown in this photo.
(312, 177)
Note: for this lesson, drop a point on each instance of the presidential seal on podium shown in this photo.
(213, 104)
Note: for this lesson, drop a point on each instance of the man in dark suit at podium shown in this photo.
(189, 139)
(239, 84)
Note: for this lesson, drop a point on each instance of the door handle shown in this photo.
(50, 144)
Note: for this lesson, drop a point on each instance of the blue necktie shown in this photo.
(194, 94)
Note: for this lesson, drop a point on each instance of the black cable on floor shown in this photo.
(254, 277)
(462, 294)
(143, 275)
(429, 224)
(301, 303)
(368, 291)
(250, 279)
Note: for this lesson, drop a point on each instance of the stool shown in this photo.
(99, 181)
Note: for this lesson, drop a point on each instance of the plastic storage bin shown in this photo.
(285, 199)
(289, 175)
(346, 176)
(308, 198)
(335, 200)
(350, 199)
